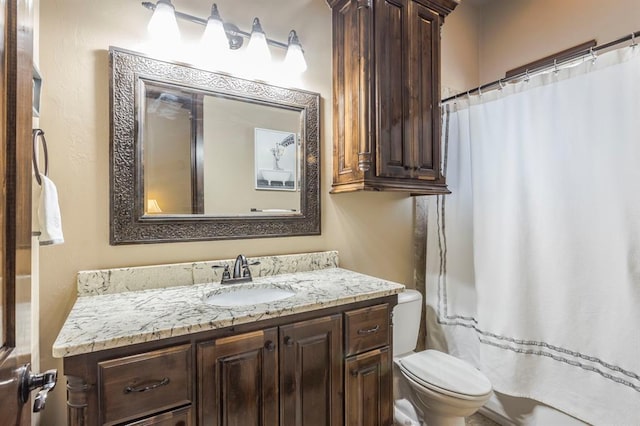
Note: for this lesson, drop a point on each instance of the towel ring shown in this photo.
(39, 134)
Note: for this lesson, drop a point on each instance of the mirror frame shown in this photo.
(128, 222)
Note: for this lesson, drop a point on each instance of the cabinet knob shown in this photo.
(270, 346)
(288, 341)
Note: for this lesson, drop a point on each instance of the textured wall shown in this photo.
(514, 33)
(372, 231)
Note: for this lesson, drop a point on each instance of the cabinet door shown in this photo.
(423, 79)
(311, 372)
(368, 389)
(407, 89)
(238, 380)
(392, 120)
(351, 90)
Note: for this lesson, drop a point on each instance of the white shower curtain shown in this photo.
(533, 261)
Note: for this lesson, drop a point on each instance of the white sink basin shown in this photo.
(248, 296)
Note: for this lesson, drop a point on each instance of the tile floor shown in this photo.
(479, 420)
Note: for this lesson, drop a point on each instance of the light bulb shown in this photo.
(257, 49)
(214, 40)
(163, 25)
(294, 60)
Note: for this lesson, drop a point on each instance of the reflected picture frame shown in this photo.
(276, 160)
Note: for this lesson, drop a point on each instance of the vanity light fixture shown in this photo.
(294, 59)
(257, 49)
(165, 26)
(215, 37)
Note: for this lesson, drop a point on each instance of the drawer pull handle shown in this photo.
(147, 387)
(366, 331)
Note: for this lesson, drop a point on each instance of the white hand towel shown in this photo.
(49, 222)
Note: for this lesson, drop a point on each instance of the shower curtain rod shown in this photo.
(553, 62)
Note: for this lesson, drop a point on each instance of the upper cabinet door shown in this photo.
(407, 88)
(423, 86)
(393, 120)
(352, 26)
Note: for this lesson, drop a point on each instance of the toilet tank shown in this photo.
(406, 322)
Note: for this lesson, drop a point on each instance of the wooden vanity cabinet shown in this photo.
(367, 369)
(328, 367)
(386, 91)
(311, 359)
(238, 380)
(291, 375)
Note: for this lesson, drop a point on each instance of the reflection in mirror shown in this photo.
(217, 155)
(198, 155)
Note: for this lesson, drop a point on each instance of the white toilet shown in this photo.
(442, 390)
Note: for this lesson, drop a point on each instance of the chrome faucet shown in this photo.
(241, 271)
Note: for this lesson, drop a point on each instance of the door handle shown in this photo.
(30, 381)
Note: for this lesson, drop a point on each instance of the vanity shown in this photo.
(170, 345)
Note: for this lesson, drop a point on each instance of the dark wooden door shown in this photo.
(352, 24)
(368, 389)
(407, 83)
(15, 204)
(423, 102)
(311, 373)
(393, 128)
(238, 380)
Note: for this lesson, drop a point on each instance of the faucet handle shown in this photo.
(246, 272)
(226, 274)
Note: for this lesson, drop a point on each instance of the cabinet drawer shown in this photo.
(139, 385)
(179, 417)
(366, 328)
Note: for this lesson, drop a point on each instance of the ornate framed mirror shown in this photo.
(197, 155)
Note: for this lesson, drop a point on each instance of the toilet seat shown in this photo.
(446, 374)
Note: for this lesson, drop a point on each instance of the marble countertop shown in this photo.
(114, 320)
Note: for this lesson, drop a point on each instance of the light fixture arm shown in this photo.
(234, 34)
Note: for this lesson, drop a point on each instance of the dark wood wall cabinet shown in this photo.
(329, 367)
(386, 93)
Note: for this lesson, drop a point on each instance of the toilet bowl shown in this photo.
(442, 389)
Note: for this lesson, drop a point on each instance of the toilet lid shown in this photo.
(434, 368)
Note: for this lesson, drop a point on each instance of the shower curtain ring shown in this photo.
(633, 40)
(526, 76)
(501, 84)
(480, 91)
(593, 55)
(556, 70)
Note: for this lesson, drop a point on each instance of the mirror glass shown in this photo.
(217, 155)
(198, 155)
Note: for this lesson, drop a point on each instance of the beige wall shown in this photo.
(516, 32)
(229, 153)
(372, 231)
